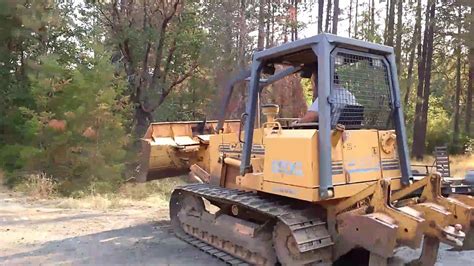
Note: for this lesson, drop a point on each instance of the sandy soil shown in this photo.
(37, 232)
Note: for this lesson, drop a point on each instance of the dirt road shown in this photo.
(36, 232)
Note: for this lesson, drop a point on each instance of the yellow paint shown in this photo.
(361, 156)
(291, 158)
(312, 194)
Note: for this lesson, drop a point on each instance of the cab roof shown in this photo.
(299, 51)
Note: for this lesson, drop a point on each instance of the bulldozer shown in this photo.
(273, 192)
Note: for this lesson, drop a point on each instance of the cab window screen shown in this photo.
(360, 93)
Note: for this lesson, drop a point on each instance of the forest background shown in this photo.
(80, 81)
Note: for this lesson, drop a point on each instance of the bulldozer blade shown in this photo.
(171, 148)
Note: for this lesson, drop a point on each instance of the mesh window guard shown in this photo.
(360, 94)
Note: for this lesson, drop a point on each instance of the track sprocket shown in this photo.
(287, 251)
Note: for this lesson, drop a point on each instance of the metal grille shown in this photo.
(360, 93)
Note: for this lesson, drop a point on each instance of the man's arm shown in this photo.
(312, 115)
(309, 117)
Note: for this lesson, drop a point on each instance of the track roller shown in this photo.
(238, 238)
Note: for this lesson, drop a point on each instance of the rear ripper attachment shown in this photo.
(368, 220)
(447, 218)
(371, 220)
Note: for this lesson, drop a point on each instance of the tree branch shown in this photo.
(161, 41)
(168, 59)
(185, 76)
(166, 92)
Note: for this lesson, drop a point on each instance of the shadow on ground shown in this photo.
(11, 221)
(148, 243)
(153, 243)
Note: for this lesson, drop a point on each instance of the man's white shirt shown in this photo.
(341, 96)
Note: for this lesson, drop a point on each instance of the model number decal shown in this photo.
(287, 167)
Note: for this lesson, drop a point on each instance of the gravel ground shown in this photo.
(36, 232)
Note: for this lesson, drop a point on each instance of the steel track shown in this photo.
(215, 252)
(308, 230)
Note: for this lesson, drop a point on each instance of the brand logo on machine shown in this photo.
(287, 167)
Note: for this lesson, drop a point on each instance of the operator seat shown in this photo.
(352, 116)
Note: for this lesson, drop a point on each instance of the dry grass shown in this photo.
(38, 186)
(104, 202)
(140, 191)
(149, 194)
(459, 164)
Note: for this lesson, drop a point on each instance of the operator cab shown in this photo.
(357, 91)
(360, 94)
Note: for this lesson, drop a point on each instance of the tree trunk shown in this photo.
(291, 21)
(335, 17)
(419, 130)
(350, 18)
(470, 87)
(142, 120)
(387, 9)
(295, 28)
(372, 20)
(272, 38)
(429, 61)
(390, 23)
(328, 16)
(241, 55)
(398, 39)
(416, 42)
(242, 35)
(268, 24)
(458, 81)
(261, 25)
(320, 15)
(470, 93)
(355, 19)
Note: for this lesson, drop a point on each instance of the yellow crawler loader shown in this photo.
(272, 191)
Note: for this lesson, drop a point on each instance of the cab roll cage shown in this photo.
(324, 46)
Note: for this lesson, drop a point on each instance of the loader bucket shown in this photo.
(170, 148)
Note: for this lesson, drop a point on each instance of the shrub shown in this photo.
(81, 138)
